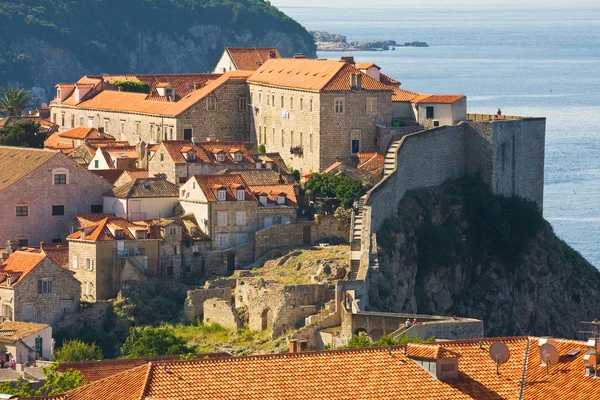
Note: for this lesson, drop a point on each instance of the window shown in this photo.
(54, 118)
(222, 241)
(241, 194)
(75, 264)
(162, 157)
(429, 112)
(172, 231)
(300, 138)
(22, 211)
(171, 133)
(281, 199)
(28, 308)
(221, 195)
(260, 98)
(273, 100)
(242, 103)
(211, 103)
(23, 242)
(106, 120)
(187, 134)
(273, 142)
(96, 208)
(339, 106)
(90, 122)
(89, 289)
(310, 142)
(263, 199)
(62, 119)
(96, 164)
(176, 250)
(56, 240)
(182, 179)
(355, 142)
(310, 108)
(222, 218)
(292, 138)
(372, 105)
(268, 101)
(60, 179)
(291, 103)
(81, 119)
(58, 96)
(44, 286)
(138, 128)
(240, 218)
(221, 157)
(122, 129)
(66, 306)
(241, 238)
(38, 345)
(282, 134)
(58, 210)
(89, 264)
(237, 157)
(301, 101)
(72, 120)
(282, 102)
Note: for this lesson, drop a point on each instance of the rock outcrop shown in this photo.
(458, 249)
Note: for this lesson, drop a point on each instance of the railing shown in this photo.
(130, 252)
(475, 117)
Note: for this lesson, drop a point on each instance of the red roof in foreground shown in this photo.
(384, 373)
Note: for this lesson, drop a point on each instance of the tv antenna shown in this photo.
(592, 355)
(500, 354)
(549, 356)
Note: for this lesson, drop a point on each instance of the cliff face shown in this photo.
(45, 43)
(458, 249)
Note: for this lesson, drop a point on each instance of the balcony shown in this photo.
(129, 252)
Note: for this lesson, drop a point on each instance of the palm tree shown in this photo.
(14, 100)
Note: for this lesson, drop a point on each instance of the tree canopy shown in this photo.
(150, 341)
(362, 340)
(345, 189)
(23, 134)
(76, 350)
(55, 383)
(13, 101)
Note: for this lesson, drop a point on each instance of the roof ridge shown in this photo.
(147, 380)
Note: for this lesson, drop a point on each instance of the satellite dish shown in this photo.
(500, 354)
(549, 354)
(44, 105)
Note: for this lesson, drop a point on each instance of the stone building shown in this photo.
(277, 204)
(33, 288)
(245, 58)
(316, 112)
(76, 137)
(178, 107)
(39, 192)
(142, 198)
(25, 342)
(224, 206)
(179, 160)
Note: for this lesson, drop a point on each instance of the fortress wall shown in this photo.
(518, 158)
(479, 149)
(425, 158)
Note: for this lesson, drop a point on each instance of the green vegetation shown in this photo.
(150, 341)
(55, 383)
(13, 101)
(131, 86)
(23, 134)
(362, 340)
(76, 350)
(262, 148)
(339, 186)
(101, 40)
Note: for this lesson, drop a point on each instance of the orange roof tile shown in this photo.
(53, 142)
(438, 98)
(386, 80)
(365, 65)
(110, 175)
(310, 74)
(371, 162)
(204, 151)
(274, 190)
(252, 58)
(403, 95)
(209, 184)
(101, 230)
(85, 133)
(18, 265)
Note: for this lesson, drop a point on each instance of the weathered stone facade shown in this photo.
(221, 312)
(39, 194)
(23, 302)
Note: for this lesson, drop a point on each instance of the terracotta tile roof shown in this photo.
(136, 173)
(273, 190)
(183, 84)
(310, 74)
(428, 351)
(121, 151)
(332, 167)
(12, 120)
(18, 162)
(275, 158)
(386, 80)
(18, 265)
(85, 133)
(371, 162)
(110, 175)
(403, 95)
(103, 230)
(255, 177)
(53, 141)
(59, 253)
(91, 218)
(204, 151)
(186, 221)
(112, 100)
(438, 98)
(13, 330)
(145, 188)
(365, 65)
(209, 184)
(251, 58)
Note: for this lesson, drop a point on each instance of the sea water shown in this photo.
(530, 61)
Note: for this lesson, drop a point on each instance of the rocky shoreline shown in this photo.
(326, 41)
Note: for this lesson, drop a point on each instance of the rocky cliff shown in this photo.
(46, 42)
(458, 249)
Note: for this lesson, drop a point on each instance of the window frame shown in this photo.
(58, 175)
(221, 218)
(221, 195)
(56, 209)
(428, 113)
(371, 105)
(240, 218)
(211, 103)
(240, 194)
(339, 106)
(222, 238)
(242, 103)
(19, 210)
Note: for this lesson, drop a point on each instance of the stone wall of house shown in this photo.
(218, 261)
(324, 226)
(337, 129)
(221, 312)
(38, 192)
(277, 213)
(47, 308)
(130, 126)
(194, 302)
(279, 307)
(92, 316)
(281, 127)
(385, 135)
(230, 121)
(236, 234)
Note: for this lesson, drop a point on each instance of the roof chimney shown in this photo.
(347, 59)
(81, 233)
(294, 346)
(359, 81)
(101, 133)
(352, 81)
(272, 54)
(41, 245)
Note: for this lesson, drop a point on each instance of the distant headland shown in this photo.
(334, 42)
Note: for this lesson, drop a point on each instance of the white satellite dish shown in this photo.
(549, 354)
(44, 105)
(500, 354)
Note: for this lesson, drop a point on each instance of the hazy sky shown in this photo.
(436, 3)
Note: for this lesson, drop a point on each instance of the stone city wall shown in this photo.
(194, 302)
(449, 330)
(385, 135)
(221, 312)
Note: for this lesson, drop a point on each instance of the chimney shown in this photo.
(353, 81)
(272, 54)
(294, 346)
(198, 86)
(81, 233)
(347, 59)
(41, 245)
(100, 133)
(359, 81)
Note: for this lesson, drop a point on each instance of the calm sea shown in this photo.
(527, 61)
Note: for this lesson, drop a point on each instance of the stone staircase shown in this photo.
(390, 159)
(356, 244)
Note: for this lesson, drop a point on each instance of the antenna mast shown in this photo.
(596, 324)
